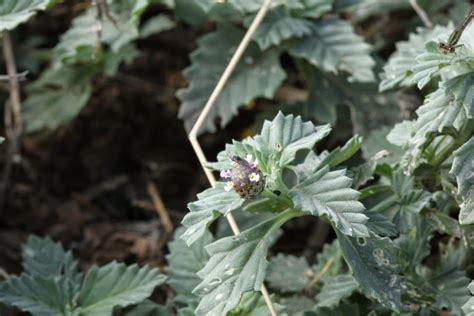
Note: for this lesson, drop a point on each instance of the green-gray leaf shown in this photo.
(330, 193)
(43, 257)
(237, 265)
(463, 169)
(333, 47)
(211, 204)
(433, 60)
(404, 203)
(38, 295)
(15, 12)
(398, 69)
(278, 26)
(373, 262)
(289, 273)
(335, 289)
(438, 115)
(79, 43)
(462, 87)
(283, 137)
(184, 262)
(57, 97)
(116, 285)
(258, 74)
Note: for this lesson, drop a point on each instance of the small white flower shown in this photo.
(229, 186)
(254, 177)
(226, 174)
(249, 158)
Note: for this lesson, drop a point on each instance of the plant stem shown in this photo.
(446, 152)
(13, 121)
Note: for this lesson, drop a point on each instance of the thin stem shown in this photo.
(13, 79)
(422, 14)
(321, 273)
(12, 116)
(160, 208)
(447, 151)
(207, 108)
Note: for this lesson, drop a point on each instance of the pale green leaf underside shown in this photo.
(329, 193)
(184, 262)
(401, 133)
(462, 88)
(237, 265)
(374, 265)
(288, 273)
(279, 26)
(335, 289)
(56, 98)
(433, 59)
(463, 169)
(15, 12)
(258, 74)
(210, 204)
(116, 285)
(439, 113)
(334, 47)
(398, 69)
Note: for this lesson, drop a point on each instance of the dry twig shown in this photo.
(160, 208)
(422, 14)
(321, 273)
(12, 116)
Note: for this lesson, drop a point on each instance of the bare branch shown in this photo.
(422, 14)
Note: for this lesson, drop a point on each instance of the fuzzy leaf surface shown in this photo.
(398, 69)
(116, 284)
(43, 257)
(184, 262)
(439, 114)
(258, 74)
(211, 204)
(278, 26)
(335, 289)
(237, 265)
(373, 262)
(38, 295)
(329, 193)
(288, 273)
(463, 169)
(334, 47)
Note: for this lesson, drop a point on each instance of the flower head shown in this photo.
(246, 179)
